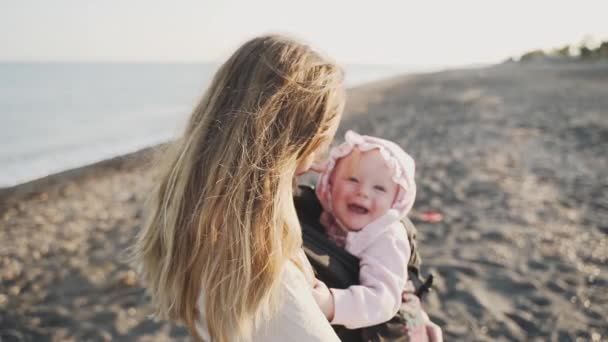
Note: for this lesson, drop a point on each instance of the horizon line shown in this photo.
(185, 62)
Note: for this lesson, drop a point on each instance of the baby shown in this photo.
(366, 187)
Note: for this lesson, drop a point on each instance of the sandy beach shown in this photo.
(513, 156)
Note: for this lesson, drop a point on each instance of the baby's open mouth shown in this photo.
(357, 209)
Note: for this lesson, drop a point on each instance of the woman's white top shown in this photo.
(298, 319)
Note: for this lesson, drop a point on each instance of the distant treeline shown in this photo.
(581, 51)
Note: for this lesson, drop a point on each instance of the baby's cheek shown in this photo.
(341, 188)
(338, 187)
(386, 203)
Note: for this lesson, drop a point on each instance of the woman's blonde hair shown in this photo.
(221, 222)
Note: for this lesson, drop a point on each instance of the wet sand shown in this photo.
(513, 157)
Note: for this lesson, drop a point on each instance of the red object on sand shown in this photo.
(431, 216)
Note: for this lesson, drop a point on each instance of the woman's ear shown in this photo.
(306, 164)
(318, 167)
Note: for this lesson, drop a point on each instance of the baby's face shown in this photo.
(362, 189)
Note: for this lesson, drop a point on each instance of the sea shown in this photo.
(59, 116)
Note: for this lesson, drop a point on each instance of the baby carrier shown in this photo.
(340, 269)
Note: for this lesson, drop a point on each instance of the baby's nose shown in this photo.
(363, 191)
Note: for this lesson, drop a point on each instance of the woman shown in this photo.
(220, 250)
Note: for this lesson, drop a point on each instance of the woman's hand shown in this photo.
(324, 299)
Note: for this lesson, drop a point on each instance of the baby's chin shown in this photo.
(353, 226)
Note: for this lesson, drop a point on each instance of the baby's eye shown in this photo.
(380, 188)
(353, 179)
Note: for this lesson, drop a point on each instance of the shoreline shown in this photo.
(25, 190)
(358, 99)
(354, 106)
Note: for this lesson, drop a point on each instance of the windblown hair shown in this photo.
(221, 221)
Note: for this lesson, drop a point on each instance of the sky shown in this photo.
(422, 33)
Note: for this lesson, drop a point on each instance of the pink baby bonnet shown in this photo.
(397, 160)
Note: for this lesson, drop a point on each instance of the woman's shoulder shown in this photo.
(299, 318)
